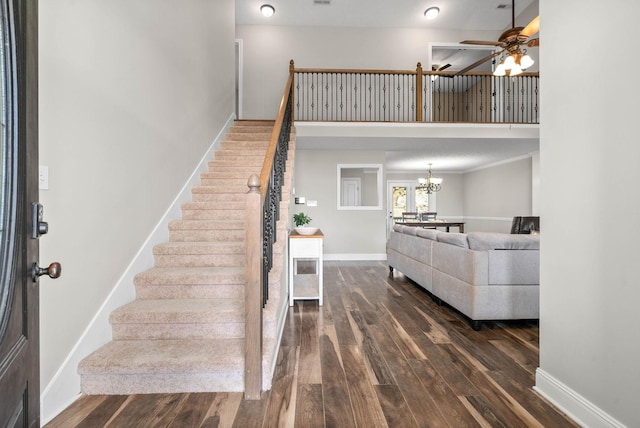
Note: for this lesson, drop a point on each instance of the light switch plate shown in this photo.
(43, 177)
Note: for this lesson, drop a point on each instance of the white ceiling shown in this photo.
(454, 152)
(454, 14)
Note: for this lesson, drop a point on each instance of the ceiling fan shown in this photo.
(510, 42)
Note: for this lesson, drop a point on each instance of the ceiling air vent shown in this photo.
(503, 6)
(322, 2)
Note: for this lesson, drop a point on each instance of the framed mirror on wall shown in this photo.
(359, 186)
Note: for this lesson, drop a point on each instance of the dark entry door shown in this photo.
(20, 216)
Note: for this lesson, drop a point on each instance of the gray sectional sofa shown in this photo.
(486, 276)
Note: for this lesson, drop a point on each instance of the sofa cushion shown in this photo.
(458, 239)
(428, 233)
(397, 227)
(482, 241)
(409, 230)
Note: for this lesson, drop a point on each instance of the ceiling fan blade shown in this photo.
(532, 28)
(480, 42)
(533, 42)
(477, 63)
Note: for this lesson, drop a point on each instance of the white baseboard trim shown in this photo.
(508, 219)
(574, 405)
(64, 387)
(354, 257)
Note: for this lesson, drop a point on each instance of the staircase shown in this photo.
(184, 332)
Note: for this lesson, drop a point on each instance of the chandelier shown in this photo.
(430, 184)
(515, 63)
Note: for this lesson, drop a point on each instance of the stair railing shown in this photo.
(262, 214)
(360, 95)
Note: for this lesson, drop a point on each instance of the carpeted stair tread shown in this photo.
(189, 311)
(191, 275)
(165, 356)
(206, 224)
(239, 188)
(198, 248)
(230, 196)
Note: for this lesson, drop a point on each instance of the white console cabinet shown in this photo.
(305, 286)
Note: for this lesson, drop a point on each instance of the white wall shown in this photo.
(493, 196)
(268, 50)
(589, 347)
(352, 232)
(132, 94)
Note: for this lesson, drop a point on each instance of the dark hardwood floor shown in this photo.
(380, 352)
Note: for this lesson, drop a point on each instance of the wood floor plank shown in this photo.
(452, 410)
(511, 412)
(148, 410)
(417, 397)
(372, 352)
(104, 412)
(483, 412)
(309, 362)
(309, 406)
(77, 411)
(193, 410)
(222, 409)
(250, 412)
(337, 404)
(366, 408)
(395, 408)
(281, 408)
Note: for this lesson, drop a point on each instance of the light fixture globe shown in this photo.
(509, 62)
(526, 61)
(267, 10)
(500, 70)
(432, 12)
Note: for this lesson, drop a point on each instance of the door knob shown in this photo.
(54, 270)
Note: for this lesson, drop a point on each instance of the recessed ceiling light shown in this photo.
(431, 13)
(267, 10)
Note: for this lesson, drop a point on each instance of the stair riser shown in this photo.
(129, 384)
(227, 200)
(177, 331)
(189, 291)
(217, 166)
(242, 146)
(244, 136)
(233, 182)
(190, 260)
(207, 225)
(206, 235)
(239, 188)
(237, 174)
(213, 214)
(259, 127)
(239, 160)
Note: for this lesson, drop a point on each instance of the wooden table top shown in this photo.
(295, 234)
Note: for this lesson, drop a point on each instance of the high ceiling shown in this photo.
(447, 154)
(454, 14)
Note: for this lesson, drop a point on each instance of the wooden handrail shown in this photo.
(261, 213)
(275, 134)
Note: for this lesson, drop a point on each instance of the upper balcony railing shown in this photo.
(414, 96)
